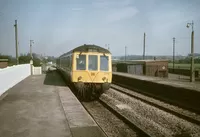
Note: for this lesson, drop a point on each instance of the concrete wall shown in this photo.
(10, 76)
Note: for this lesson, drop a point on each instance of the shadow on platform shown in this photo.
(54, 78)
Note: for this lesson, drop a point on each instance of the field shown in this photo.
(183, 66)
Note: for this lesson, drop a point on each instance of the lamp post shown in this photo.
(125, 53)
(192, 78)
(144, 46)
(173, 52)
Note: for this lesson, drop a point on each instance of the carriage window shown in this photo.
(104, 63)
(92, 64)
(81, 62)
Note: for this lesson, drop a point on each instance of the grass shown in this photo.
(183, 66)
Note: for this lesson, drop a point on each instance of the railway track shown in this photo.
(113, 124)
(150, 116)
(123, 112)
(173, 109)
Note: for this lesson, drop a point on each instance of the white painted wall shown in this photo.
(37, 70)
(10, 76)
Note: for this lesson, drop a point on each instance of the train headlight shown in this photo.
(104, 78)
(79, 78)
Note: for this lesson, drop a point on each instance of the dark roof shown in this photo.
(92, 48)
(86, 47)
(130, 62)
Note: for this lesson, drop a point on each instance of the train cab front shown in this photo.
(92, 72)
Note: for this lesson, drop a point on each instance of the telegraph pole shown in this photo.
(192, 77)
(192, 58)
(173, 52)
(144, 46)
(125, 53)
(16, 42)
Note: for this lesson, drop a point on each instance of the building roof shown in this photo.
(137, 61)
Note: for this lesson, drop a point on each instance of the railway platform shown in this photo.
(43, 106)
(173, 80)
(183, 94)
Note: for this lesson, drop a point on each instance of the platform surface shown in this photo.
(172, 81)
(43, 106)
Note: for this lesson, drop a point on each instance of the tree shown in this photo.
(24, 59)
(11, 60)
(36, 62)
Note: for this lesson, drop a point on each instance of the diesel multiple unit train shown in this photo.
(88, 68)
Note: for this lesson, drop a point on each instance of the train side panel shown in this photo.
(65, 66)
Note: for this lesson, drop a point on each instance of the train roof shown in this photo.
(88, 48)
(94, 48)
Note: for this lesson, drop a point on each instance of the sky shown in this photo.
(57, 26)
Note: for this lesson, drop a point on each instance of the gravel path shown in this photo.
(111, 124)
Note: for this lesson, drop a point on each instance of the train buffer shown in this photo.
(42, 105)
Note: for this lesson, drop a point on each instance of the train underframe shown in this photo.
(89, 91)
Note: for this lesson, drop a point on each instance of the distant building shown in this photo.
(195, 55)
(3, 63)
(50, 63)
